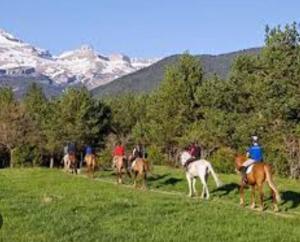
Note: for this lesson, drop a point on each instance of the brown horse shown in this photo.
(260, 173)
(120, 163)
(90, 161)
(140, 167)
(72, 162)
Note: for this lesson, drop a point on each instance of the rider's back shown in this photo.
(119, 151)
(256, 153)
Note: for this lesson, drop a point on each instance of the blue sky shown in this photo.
(145, 28)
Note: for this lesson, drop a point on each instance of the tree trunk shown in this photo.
(51, 162)
(11, 162)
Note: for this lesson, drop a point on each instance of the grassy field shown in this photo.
(49, 205)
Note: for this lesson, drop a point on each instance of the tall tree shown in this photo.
(173, 107)
(15, 125)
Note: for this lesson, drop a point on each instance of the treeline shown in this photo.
(261, 96)
(35, 130)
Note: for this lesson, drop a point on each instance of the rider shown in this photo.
(138, 152)
(254, 155)
(88, 150)
(71, 148)
(195, 152)
(118, 151)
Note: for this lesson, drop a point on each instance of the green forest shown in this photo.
(261, 96)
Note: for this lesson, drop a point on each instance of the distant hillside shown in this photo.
(149, 78)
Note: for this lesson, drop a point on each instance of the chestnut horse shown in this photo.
(260, 173)
(140, 167)
(121, 163)
(90, 161)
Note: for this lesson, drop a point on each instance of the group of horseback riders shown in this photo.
(254, 154)
(138, 151)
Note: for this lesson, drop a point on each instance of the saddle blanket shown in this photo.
(249, 169)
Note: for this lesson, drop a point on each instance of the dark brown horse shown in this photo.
(121, 163)
(73, 162)
(260, 173)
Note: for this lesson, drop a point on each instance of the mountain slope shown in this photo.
(150, 77)
(82, 66)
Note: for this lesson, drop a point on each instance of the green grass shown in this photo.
(49, 205)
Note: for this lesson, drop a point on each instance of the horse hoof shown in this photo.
(252, 206)
(276, 209)
(261, 209)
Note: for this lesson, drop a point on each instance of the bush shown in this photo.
(155, 156)
(26, 156)
(104, 157)
(223, 160)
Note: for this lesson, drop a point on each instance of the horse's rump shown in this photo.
(140, 165)
(120, 162)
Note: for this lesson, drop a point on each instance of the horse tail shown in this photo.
(211, 170)
(147, 166)
(268, 172)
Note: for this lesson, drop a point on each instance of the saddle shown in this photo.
(189, 161)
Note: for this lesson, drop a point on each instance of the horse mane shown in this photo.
(240, 159)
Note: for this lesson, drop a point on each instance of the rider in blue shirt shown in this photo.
(254, 154)
(88, 150)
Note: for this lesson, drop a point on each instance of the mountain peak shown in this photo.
(79, 66)
(8, 35)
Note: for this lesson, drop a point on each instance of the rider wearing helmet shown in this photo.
(254, 154)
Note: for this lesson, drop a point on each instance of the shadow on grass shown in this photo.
(172, 181)
(291, 196)
(226, 189)
(155, 178)
(1, 221)
(163, 180)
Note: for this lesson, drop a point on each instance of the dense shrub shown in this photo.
(26, 156)
(155, 156)
(223, 160)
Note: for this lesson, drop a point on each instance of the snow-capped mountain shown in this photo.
(80, 66)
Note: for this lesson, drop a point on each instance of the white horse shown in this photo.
(67, 162)
(199, 168)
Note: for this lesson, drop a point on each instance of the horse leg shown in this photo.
(119, 175)
(274, 200)
(242, 195)
(128, 173)
(261, 196)
(93, 170)
(145, 180)
(189, 179)
(205, 188)
(194, 187)
(134, 179)
(252, 203)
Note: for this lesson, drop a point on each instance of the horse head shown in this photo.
(184, 157)
(239, 160)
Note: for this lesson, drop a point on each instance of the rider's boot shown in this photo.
(244, 175)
